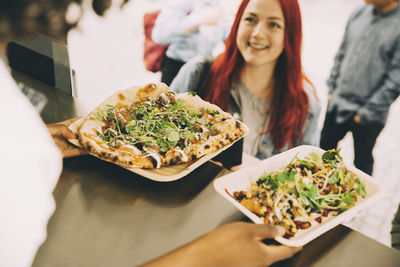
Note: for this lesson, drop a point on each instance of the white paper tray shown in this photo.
(242, 179)
(163, 174)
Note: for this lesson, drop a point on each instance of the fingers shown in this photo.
(67, 133)
(61, 133)
(61, 130)
(217, 163)
(278, 253)
(73, 152)
(275, 253)
(67, 150)
(236, 168)
(357, 119)
(69, 121)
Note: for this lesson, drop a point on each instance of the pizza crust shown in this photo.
(128, 155)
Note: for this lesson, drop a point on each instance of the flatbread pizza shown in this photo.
(152, 126)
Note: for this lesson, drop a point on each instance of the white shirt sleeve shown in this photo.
(174, 21)
(30, 165)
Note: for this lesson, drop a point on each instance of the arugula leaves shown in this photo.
(319, 182)
(332, 157)
(334, 179)
(155, 123)
(360, 188)
(286, 177)
(274, 181)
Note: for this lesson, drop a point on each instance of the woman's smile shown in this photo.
(257, 46)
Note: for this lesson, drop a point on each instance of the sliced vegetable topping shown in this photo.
(159, 123)
(304, 192)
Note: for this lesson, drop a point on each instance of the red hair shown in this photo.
(289, 101)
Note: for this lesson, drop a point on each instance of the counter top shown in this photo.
(108, 216)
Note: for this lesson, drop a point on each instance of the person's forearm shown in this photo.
(174, 20)
(192, 29)
(185, 256)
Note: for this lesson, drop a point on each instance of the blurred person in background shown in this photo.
(364, 80)
(395, 231)
(31, 163)
(259, 78)
(190, 28)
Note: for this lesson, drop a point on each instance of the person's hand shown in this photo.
(240, 244)
(330, 97)
(236, 168)
(236, 244)
(211, 16)
(246, 160)
(357, 119)
(60, 133)
(232, 169)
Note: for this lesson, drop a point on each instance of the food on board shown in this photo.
(152, 126)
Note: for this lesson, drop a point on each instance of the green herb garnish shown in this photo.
(155, 122)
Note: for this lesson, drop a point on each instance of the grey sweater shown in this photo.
(365, 78)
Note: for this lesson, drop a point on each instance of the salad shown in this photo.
(304, 192)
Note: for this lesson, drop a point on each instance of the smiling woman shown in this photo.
(259, 78)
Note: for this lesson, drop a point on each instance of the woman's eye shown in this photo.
(275, 25)
(249, 20)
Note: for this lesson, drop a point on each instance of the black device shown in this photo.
(44, 59)
(232, 156)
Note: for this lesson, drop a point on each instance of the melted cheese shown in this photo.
(94, 140)
(131, 150)
(204, 129)
(154, 155)
(180, 151)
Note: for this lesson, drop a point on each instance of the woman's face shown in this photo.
(261, 31)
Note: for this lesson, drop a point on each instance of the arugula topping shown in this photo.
(160, 123)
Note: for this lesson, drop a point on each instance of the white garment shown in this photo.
(30, 165)
(173, 23)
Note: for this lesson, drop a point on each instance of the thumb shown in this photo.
(279, 253)
(67, 133)
(61, 131)
(264, 231)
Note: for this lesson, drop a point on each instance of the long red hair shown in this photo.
(289, 101)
